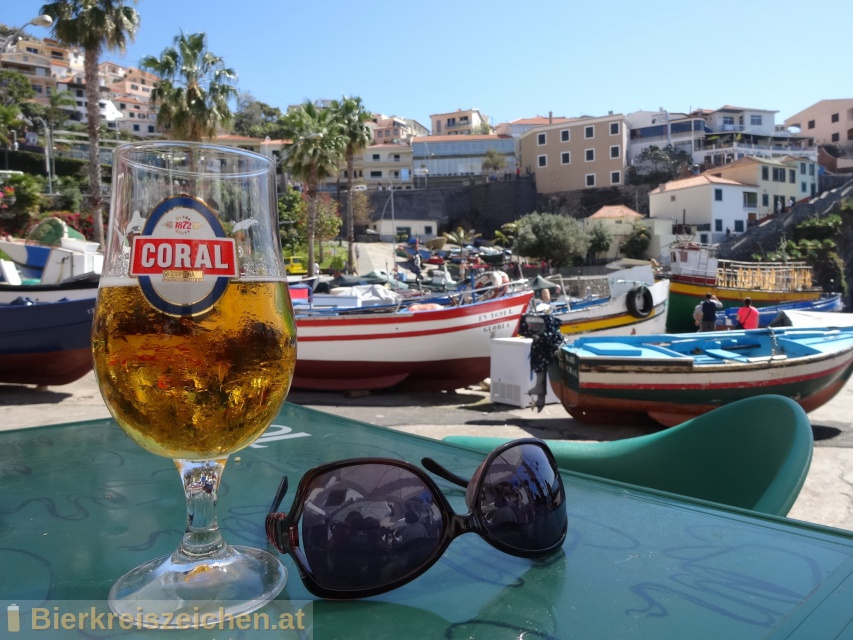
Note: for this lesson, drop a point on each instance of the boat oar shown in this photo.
(753, 454)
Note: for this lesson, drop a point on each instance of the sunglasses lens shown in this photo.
(521, 499)
(368, 525)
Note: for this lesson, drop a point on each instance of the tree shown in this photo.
(328, 224)
(506, 236)
(556, 238)
(254, 118)
(194, 86)
(635, 245)
(291, 210)
(316, 152)
(93, 25)
(461, 237)
(352, 119)
(15, 88)
(599, 240)
(494, 161)
(362, 209)
(665, 163)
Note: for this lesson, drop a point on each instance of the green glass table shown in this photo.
(81, 503)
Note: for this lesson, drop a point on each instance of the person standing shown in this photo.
(709, 312)
(747, 315)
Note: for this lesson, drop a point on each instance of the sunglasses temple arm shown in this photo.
(433, 467)
(279, 495)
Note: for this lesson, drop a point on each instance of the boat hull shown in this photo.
(670, 391)
(81, 290)
(683, 298)
(428, 350)
(614, 316)
(46, 344)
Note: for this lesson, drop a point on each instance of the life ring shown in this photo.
(640, 302)
(491, 284)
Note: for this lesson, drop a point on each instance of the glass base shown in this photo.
(162, 593)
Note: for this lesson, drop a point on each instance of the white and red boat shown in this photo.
(424, 346)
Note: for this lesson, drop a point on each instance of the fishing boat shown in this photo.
(427, 346)
(634, 303)
(695, 270)
(53, 263)
(727, 318)
(45, 343)
(673, 377)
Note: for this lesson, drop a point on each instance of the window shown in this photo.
(614, 128)
(376, 157)
(730, 120)
(565, 136)
(672, 198)
(541, 139)
(755, 120)
(718, 224)
(750, 200)
(589, 155)
(396, 157)
(803, 187)
(811, 169)
(614, 151)
(150, 128)
(615, 177)
(590, 179)
(375, 174)
(738, 226)
(718, 195)
(792, 176)
(765, 173)
(589, 132)
(765, 200)
(542, 161)
(834, 117)
(836, 137)
(566, 157)
(428, 230)
(778, 174)
(136, 127)
(803, 168)
(810, 125)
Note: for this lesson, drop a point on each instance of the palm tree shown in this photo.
(55, 114)
(461, 237)
(93, 25)
(352, 116)
(193, 90)
(315, 153)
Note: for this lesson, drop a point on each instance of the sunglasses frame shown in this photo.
(282, 528)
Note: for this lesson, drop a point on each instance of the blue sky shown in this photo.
(509, 59)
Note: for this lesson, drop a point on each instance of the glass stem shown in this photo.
(201, 488)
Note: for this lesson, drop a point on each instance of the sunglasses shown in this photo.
(370, 525)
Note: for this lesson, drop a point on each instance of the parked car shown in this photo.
(295, 266)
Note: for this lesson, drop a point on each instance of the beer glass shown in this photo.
(194, 345)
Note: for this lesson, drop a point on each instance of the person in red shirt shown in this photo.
(747, 315)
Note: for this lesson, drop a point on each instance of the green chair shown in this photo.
(753, 454)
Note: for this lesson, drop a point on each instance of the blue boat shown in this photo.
(727, 318)
(45, 343)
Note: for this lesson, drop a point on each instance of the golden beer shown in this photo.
(195, 388)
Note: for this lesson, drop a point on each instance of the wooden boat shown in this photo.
(45, 343)
(636, 304)
(426, 346)
(727, 318)
(695, 271)
(68, 271)
(673, 377)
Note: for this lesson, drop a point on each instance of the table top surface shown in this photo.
(81, 504)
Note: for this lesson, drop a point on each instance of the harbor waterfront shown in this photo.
(826, 498)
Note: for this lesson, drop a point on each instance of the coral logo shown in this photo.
(183, 258)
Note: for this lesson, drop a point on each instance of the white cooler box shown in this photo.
(511, 377)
